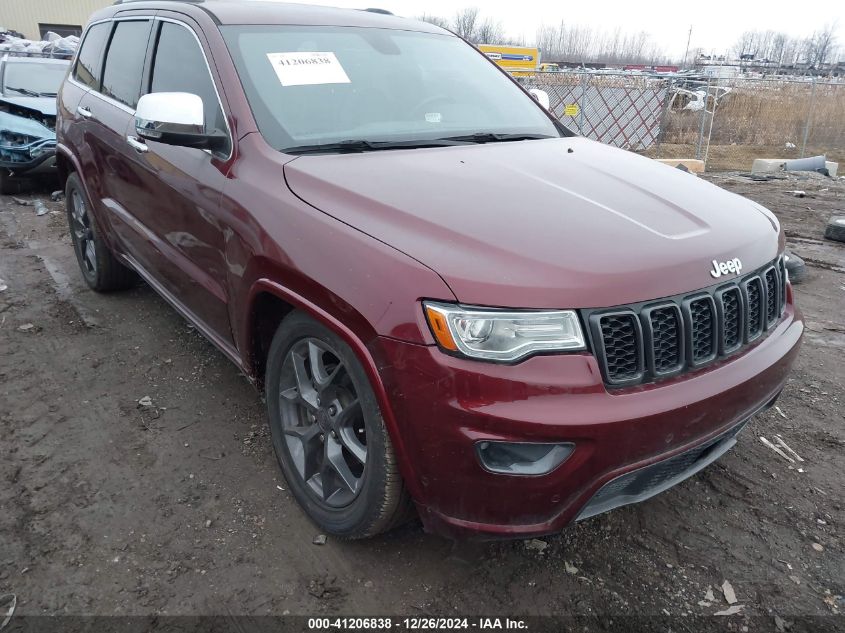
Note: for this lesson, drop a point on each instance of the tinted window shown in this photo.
(87, 69)
(191, 74)
(125, 61)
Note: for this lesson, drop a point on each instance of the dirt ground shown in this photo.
(738, 157)
(108, 508)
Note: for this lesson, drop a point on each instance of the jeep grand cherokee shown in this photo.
(451, 302)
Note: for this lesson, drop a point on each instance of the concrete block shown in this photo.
(767, 165)
(772, 165)
(693, 165)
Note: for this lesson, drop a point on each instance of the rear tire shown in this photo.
(836, 229)
(9, 186)
(100, 269)
(329, 434)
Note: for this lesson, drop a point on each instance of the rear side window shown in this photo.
(190, 74)
(87, 69)
(125, 61)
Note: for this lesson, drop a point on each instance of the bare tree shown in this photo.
(489, 32)
(820, 46)
(443, 23)
(466, 24)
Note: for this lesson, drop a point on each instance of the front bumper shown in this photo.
(443, 405)
(22, 165)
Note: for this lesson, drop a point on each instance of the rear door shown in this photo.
(109, 108)
(72, 128)
(173, 193)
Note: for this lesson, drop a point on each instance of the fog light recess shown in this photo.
(522, 458)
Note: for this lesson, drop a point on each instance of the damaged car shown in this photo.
(28, 87)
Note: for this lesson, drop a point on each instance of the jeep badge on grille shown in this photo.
(726, 268)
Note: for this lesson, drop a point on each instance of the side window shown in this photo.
(87, 69)
(125, 61)
(190, 74)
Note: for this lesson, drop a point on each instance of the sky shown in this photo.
(716, 24)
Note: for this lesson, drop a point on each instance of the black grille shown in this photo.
(731, 301)
(782, 274)
(754, 297)
(621, 343)
(702, 322)
(666, 339)
(652, 340)
(772, 311)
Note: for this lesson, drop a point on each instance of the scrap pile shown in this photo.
(53, 45)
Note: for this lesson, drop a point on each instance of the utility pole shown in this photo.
(686, 52)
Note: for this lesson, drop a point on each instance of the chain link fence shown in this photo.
(726, 122)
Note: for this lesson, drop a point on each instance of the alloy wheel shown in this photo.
(82, 233)
(323, 422)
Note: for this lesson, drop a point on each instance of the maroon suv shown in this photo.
(447, 297)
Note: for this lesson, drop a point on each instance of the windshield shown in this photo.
(33, 79)
(321, 85)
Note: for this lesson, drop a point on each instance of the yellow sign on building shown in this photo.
(520, 61)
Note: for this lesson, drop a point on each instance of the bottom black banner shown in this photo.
(321, 624)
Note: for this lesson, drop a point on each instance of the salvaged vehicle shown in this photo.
(28, 89)
(450, 301)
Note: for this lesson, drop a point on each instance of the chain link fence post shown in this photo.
(582, 103)
(809, 121)
(699, 147)
(664, 110)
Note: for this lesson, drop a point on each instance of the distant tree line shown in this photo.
(774, 47)
(579, 43)
(565, 42)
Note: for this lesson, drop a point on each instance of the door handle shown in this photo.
(137, 145)
(84, 112)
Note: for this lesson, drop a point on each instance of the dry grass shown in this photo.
(769, 114)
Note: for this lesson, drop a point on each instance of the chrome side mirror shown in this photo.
(542, 97)
(175, 118)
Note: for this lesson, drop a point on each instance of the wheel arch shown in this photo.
(269, 303)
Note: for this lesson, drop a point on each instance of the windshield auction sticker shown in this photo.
(308, 69)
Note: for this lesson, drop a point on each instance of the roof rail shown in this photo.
(130, 1)
(382, 11)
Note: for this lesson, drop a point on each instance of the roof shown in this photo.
(231, 12)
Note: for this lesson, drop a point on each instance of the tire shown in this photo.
(322, 424)
(100, 269)
(8, 185)
(836, 229)
(795, 268)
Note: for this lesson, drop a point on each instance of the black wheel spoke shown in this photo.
(323, 422)
(307, 393)
(349, 424)
(305, 447)
(90, 255)
(321, 375)
(81, 231)
(337, 462)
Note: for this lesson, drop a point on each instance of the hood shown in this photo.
(558, 223)
(42, 105)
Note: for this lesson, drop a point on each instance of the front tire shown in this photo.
(329, 434)
(100, 269)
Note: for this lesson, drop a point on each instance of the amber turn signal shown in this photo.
(440, 328)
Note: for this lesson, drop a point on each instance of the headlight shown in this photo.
(503, 335)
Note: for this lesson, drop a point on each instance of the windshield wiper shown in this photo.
(25, 91)
(492, 137)
(358, 146)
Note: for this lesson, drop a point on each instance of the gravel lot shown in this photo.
(111, 508)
